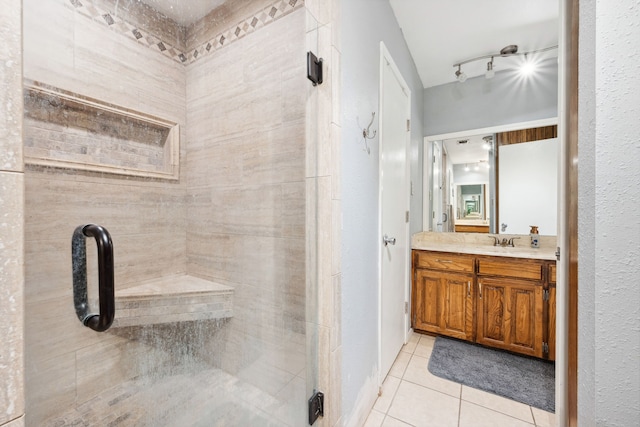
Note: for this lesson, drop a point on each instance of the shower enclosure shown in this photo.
(185, 135)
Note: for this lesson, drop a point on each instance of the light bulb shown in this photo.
(490, 73)
(466, 168)
(460, 75)
(528, 67)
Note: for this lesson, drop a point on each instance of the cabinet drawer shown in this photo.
(443, 261)
(552, 273)
(510, 268)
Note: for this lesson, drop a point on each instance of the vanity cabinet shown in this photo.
(443, 294)
(494, 301)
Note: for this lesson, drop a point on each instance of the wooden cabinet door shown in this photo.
(509, 315)
(457, 306)
(426, 297)
(443, 303)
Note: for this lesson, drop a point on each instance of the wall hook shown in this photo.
(367, 134)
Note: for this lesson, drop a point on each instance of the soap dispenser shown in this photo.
(535, 237)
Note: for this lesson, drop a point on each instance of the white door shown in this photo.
(395, 111)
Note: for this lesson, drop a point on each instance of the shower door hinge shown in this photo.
(314, 69)
(316, 407)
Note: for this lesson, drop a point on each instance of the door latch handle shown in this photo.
(388, 240)
(102, 321)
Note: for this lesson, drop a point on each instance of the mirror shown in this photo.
(470, 202)
(498, 181)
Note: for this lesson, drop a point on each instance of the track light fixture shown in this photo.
(510, 50)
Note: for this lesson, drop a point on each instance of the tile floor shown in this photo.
(412, 396)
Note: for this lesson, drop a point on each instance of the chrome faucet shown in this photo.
(504, 242)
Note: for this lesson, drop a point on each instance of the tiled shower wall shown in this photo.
(11, 218)
(237, 215)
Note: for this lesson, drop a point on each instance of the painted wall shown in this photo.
(360, 259)
(479, 103)
(609, 298)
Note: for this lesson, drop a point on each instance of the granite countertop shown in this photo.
(481, 244)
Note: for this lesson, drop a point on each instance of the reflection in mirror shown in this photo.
(502, 182)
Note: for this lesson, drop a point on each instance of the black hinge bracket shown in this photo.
(314, 69)
(316, 407)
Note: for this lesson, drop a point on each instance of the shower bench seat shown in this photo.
(169, 299)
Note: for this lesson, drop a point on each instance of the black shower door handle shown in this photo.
(98, 322)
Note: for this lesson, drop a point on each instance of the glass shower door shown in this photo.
(181, 133)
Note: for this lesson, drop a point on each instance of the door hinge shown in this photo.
(406, 307)
(406, 217)
(408, 125)
(545, 295)
(314, 69)
(545, 347)
(558, 253)
(316, 407)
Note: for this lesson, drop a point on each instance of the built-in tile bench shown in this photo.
(172, 299)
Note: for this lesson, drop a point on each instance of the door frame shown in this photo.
(385, 56)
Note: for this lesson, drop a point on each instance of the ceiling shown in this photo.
(470, 152)
(184, 13)
(442, 33)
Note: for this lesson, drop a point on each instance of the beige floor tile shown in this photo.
(424, 407)
(392, 422)
(412, 343)
(374, 419)
(400, 365)
(497, 403)
(417, 372)
(389, 388)
(543, 418)
(472, 415)
(425, 346)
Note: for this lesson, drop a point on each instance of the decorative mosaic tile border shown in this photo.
(270, 14)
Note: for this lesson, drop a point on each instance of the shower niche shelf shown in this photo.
(170, 299)
(72, 131)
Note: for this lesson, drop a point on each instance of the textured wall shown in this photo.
(360, 258)
(586, 218)
(479, 103)
(11, 216)
(617, 155)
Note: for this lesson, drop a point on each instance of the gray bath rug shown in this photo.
(523, 379)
